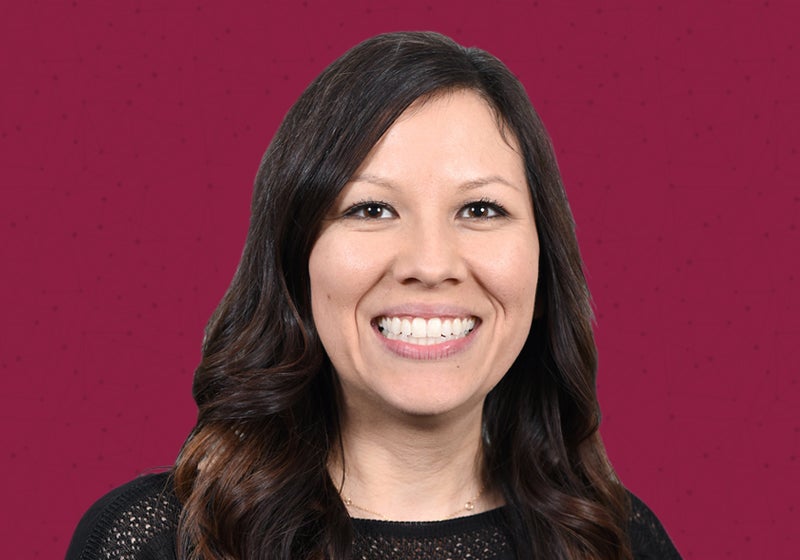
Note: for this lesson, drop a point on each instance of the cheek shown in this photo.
(340, 273)
(510, 271)
(338, 255)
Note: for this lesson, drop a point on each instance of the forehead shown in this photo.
(454, 133)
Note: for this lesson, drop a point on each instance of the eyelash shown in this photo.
(362, 206)
(487, 205)
(359, 209)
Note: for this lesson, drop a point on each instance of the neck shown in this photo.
(411, 469)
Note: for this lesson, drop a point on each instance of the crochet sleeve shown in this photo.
(649, 539)
(136, 521)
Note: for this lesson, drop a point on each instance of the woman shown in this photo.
(407, 339)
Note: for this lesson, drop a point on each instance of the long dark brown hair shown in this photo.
(253, 475)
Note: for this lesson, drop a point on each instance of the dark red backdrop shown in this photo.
(129, 136)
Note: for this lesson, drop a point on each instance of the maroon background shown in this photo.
(129, 136)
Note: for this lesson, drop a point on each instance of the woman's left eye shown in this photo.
(482, 210)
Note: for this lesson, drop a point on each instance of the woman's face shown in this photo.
(424, 274)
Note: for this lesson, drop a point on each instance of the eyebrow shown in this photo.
(465, 186)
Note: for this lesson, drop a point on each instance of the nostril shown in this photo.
(430, 258)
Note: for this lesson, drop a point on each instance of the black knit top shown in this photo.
(138, 521)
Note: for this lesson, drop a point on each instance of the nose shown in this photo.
(430, 253)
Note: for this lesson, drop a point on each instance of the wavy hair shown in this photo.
(252, 475)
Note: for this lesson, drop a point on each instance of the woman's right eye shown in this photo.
(370, 210)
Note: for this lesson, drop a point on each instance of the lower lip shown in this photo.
(429, 352)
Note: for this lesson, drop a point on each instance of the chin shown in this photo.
(430, 403)
(412, 391)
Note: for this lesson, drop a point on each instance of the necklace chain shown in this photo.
(469, 505)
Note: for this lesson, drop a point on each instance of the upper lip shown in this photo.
(426, 311)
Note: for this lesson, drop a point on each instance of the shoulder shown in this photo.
(649, 539)
(135, 521)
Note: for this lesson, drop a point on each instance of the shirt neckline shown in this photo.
(444, 527)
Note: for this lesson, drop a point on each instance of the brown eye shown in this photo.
(478, 211)
(370, 211)
(373, 211)
(482, 210)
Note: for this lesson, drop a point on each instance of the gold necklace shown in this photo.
(469, 505)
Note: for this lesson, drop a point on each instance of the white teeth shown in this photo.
(425, 332)
(447, 327)
(418, 328)
(434, 328)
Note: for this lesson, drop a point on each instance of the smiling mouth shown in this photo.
(425, 332)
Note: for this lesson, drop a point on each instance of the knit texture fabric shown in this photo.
(138, 521)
